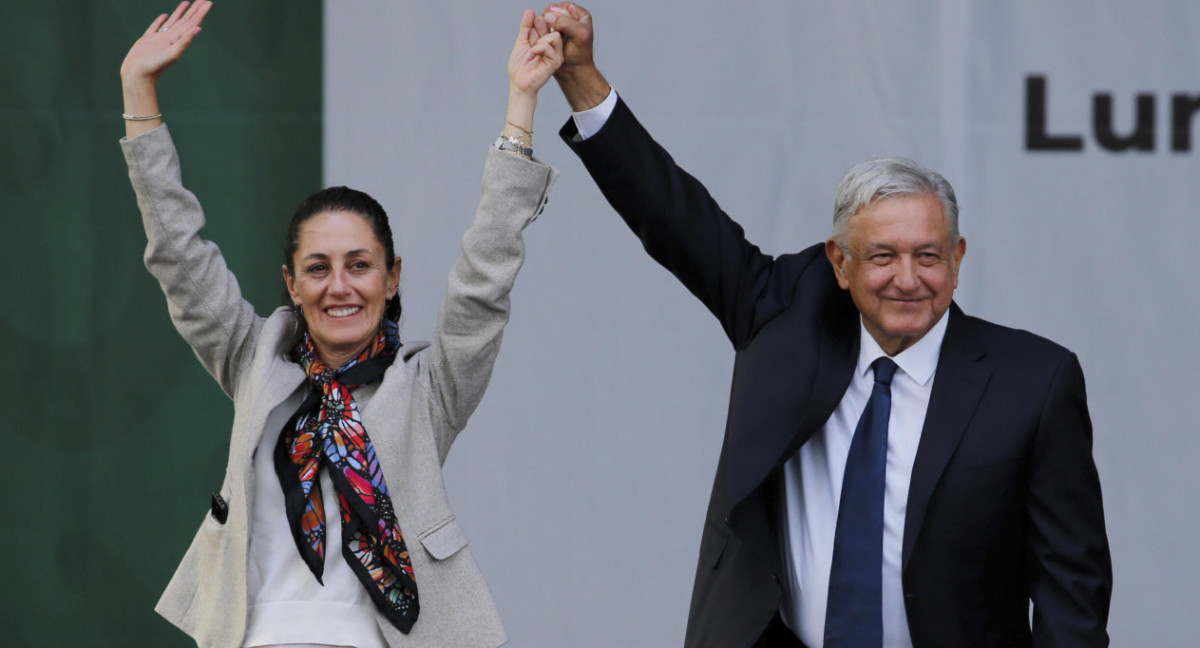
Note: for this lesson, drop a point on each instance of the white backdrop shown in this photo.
(583, 477)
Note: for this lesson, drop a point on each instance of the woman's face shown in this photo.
(343, 283)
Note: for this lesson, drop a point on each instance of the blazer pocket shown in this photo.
(218, 508)
(218, 505)
(444, 540)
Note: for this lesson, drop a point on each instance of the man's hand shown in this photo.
(575, 24)
(580, 81)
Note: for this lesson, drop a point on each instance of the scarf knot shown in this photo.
(323, 378)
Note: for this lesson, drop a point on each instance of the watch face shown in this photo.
(504, 144)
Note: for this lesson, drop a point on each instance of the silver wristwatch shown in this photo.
(505, 144)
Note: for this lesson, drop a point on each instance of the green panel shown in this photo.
(113, 434)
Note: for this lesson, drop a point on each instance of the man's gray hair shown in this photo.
(874, 180)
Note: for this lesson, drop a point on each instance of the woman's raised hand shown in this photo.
(536, 55)
(164, 42)
(161, 45)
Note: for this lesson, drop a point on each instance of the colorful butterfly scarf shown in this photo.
(327, 428)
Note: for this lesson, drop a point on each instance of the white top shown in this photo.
(813, 488)
(287, 604)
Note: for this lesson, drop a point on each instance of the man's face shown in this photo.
(901, 267)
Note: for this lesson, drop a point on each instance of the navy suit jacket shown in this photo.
(1004, 502)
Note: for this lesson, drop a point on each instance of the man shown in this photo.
(894, 472)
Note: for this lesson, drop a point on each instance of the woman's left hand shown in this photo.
(536, 55)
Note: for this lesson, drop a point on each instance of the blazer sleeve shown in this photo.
(475, 307)
(203, 296)
(1070, 569)
(681, 226)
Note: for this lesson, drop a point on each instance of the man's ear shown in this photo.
(960, 249)
(837, 259)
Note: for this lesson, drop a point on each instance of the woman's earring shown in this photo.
(298, 311)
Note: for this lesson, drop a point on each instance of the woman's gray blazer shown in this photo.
(419, 408)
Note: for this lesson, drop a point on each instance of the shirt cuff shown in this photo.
(589, 122)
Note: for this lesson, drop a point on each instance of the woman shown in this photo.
(332, 527)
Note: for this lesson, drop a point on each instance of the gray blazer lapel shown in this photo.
(285, 378)
(959, 383)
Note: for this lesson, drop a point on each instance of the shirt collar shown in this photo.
(918, 361)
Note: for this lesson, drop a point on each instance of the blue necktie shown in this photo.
(854, 611)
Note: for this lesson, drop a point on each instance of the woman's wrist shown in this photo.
(518, 120)
(138, 89)
(136, 81)
(141, 105)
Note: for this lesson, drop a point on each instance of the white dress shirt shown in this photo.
(589, 122)
(813, 488)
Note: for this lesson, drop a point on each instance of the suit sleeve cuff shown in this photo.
(589, 122)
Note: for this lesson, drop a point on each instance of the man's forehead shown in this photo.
(913, 224)
(926, 244)
(916, 208)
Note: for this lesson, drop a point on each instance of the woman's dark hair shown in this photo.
(344, 199)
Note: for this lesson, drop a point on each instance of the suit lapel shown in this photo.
(959, 383)
(787, 411)
(835, 369)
